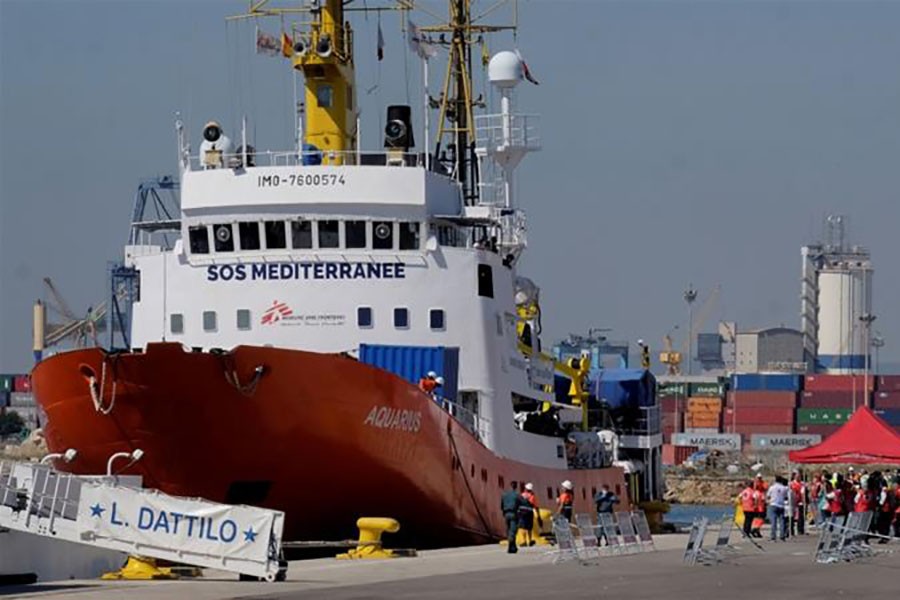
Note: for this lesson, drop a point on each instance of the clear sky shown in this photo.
(683, 142)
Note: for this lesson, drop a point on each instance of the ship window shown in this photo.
(364, 316)
(436, 319)
(301, 234)
(249, 235)
(243, 319)
(176, 323)
(383, 235)
(276, 237)
(199, 239)
(224, 237)
(409, 236)
(501, 482)
(328, 234)
(325, 95)
(401, 318)
(485, 281)
(209, 320)
(355, 234)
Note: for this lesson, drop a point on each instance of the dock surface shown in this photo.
(785, 571)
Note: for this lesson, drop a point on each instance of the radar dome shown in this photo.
(505, 69)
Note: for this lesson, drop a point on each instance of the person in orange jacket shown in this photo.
(565, 501)
(527, 512)
(759, 517)
(798, 517)
(862, 501)
(748, 505)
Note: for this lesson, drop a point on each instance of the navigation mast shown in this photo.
(455, 143)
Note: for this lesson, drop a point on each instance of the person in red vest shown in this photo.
(897, 509)
(886, 504)
(565, 501)
(862, 501)
(748, 505)
(526, 513)
(835, 497)
(798, 518)
(759, 515)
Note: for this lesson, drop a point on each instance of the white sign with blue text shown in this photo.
(152, 519)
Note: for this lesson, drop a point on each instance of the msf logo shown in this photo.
(276, 312)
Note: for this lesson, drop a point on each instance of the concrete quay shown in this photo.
(785, 571)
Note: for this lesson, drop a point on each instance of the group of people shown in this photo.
(790, 504)
(520, 509)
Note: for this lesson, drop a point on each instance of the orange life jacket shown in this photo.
(748, 500)
(427, 384)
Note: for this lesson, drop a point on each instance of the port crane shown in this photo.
(673, 359)
(68, 326)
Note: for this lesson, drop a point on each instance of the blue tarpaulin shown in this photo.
(620, 388)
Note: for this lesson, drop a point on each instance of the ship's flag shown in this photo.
(380, 42)
(419, 44)
(287, 45)
(525, 70)
(266, 43)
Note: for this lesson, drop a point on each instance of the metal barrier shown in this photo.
(566, 549)
(847, 541)
(630, 543)
(607, 524)
(590, 545)
(643, 530)
(695, 540)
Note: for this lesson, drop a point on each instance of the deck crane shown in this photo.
(673, 359)
(82, 330)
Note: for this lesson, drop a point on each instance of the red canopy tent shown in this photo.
(864, 439)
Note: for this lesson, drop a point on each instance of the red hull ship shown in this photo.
(324, 438)
(294, 261)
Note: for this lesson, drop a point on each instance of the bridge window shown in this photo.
(382, 235)
(224, 236)
(325, 95)
(364, 317)
(328, 234)
(355, 234)
(209, 320)
(249, 232)
(243, 319)
(276, 236)
(176, 323)
(436, 319)
(199, 239)
(401, 318)
(409, 236)
(301, 234)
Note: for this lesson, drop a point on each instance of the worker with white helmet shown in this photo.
(428, 383)
(527, 512)
(565, 500)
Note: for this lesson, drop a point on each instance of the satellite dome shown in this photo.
(505, 69)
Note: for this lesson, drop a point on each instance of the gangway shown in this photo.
(116, 513)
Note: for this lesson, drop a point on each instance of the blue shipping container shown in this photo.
(4, 398)
(756, 382)
(624, 388)
(891, 416)
(413, 362)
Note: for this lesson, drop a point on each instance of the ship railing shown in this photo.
(472, 421)
(507, 131)
(309, 158)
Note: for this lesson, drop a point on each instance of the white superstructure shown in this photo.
(323, 253)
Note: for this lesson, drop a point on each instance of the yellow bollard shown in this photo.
(370, 531)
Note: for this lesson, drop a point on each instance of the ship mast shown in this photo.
(455, 143)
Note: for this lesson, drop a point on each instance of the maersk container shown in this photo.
(891, 416)
(823, 416)
(414, 362)
(707, 390)
(758, 382)
(886, 400)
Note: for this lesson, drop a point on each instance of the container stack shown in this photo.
(761, 403)
(16, 396)
(828, 401)
(672, 399)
